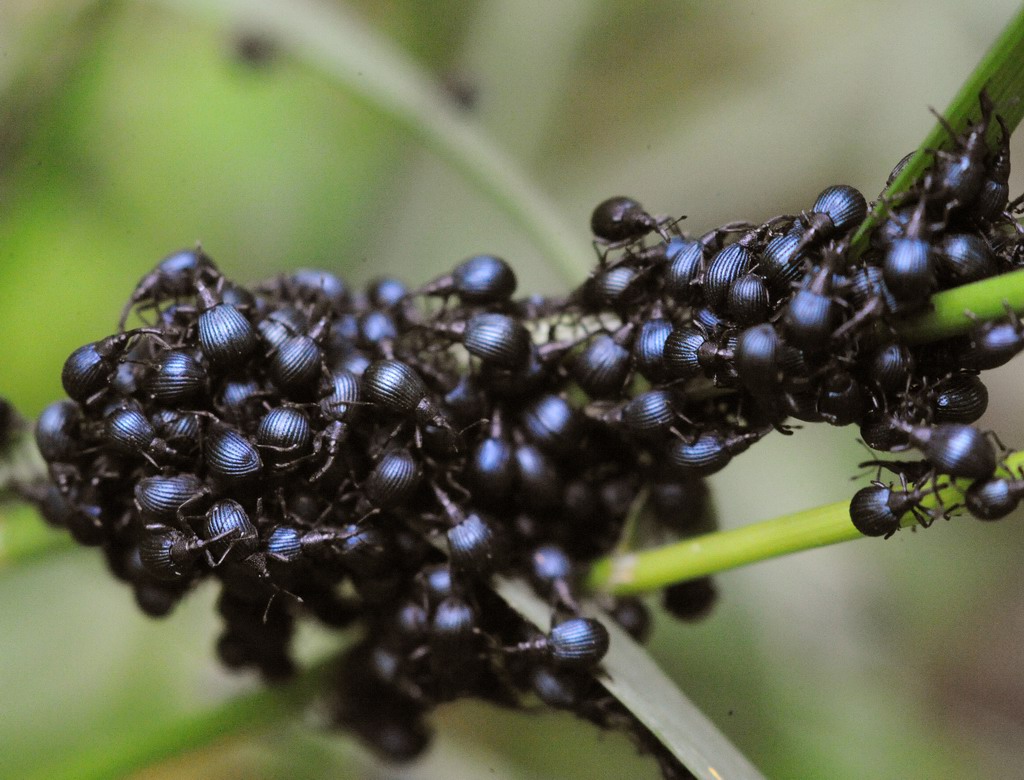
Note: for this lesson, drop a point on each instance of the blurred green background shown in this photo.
(129, 129)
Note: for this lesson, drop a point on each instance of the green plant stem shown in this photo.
(699, 556)
(1001, 75)
(383, 78)
(959, 310)
(148, 745)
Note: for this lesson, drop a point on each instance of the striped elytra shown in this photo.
(578, 642)
(725, 268)
(238, 399)
(159, 498)
(872, 513)
(497, 339)
(705, 455)
(177, 428)
(680, 354)
(891, 367)
(339, 393)
(649, 349)
(394, 478)
(601, 369)
(280, 325)
(228, 531)
(747, 302)
(169, 555)
(177, 376)
(867, 287)
(960, 398)
(845, 206)
(781, 264)
(231, 458)
(128, 431)
(880, 433)
(85, 372)
(296, 365)
(226, 337)
(685, 263)
(474, 545)
(961, 258)
(649, 414)
(707, 318)
(285, 435)
(394, 386)
(284, 543)
(615, 287)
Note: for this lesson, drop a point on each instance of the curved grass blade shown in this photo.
(384, 79)
(150, 745)
(636, 681)
(1001, 75)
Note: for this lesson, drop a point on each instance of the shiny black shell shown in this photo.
(602, 367)
(159, 498)
(394, 386)
(226, 337)
(394, 478)
(725, 268)
(483, 279)
(578, 643)
(177, 376)
(497, 339)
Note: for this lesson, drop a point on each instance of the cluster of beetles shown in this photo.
(372, 458)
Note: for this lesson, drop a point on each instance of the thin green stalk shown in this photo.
(1001, 75)
(699, 556)
(959, 310)
(131, 752)
(383, 78)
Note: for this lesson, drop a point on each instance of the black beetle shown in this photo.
(479, 279)
(621, 220)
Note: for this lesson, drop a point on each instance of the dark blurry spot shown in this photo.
(254, 48)
(461, 89)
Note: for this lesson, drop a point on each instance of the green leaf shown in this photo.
(637, 682)
(1001, 75)
(145, 747)
(959, 310)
